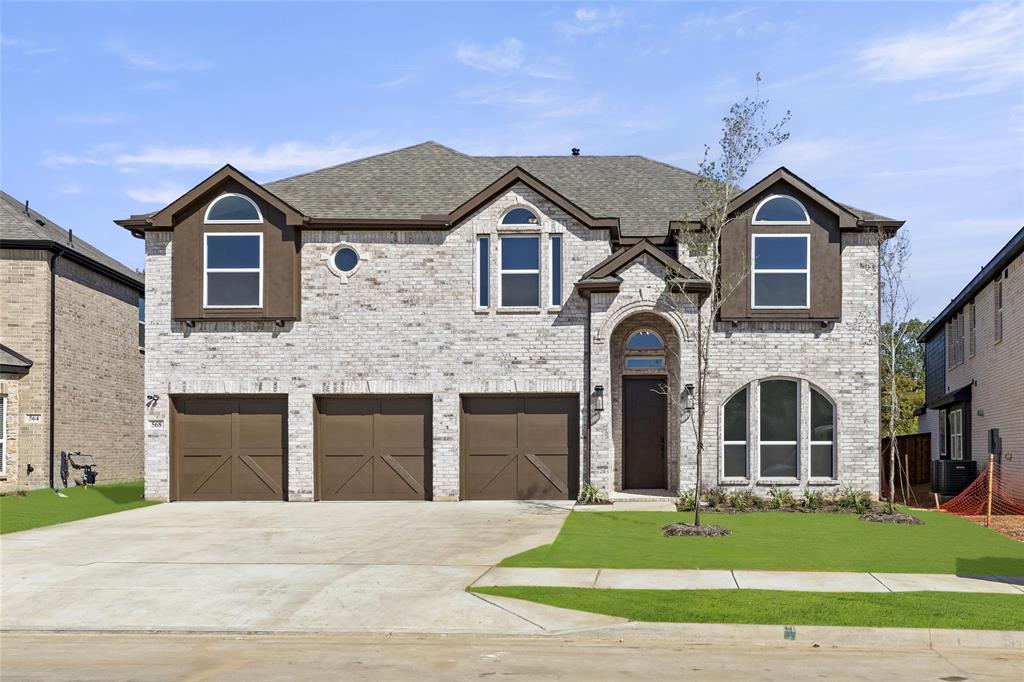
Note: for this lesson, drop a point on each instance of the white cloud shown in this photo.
(26, 47)
(980, 51)
(278, 157)
(155, 62)
(588, 21)
(505, 56)
(70, 188)
(508, 57)
(161, 195)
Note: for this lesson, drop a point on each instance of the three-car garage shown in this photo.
(375, 447)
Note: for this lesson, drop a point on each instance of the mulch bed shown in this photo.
(897, 517)
(687, 530)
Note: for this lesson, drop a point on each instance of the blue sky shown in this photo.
(914, 110)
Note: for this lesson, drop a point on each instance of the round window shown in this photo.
(346, 259)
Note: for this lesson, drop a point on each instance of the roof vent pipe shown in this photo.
(26, 207)
(575, 151)
(71, 237)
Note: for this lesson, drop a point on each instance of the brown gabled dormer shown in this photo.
(783, 248)
(234, 251)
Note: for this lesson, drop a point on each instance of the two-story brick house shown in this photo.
(424, 324)
(71, 365)
(974, 366)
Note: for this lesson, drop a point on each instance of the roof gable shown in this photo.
(165, 217)
(604, 275)
(518, 175)
(846, 219)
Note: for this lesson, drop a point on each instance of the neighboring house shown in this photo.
(71, 360)
(974, 366)
(425, 324)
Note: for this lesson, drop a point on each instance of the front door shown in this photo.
(644, 418)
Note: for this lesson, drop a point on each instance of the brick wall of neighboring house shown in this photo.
(25, 328)
(99, 377)
(405, 322)
(98, 371)
(997, 372)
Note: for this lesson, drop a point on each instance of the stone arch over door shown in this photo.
(636, 431)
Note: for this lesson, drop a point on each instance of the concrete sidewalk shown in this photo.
(801, 581)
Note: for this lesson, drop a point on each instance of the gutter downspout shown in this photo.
(586, 390)
(53, 355)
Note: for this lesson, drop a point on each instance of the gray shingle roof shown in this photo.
(12, 361)
(431, 179)
(16, 224)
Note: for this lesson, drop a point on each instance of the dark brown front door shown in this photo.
(373, 448)
(520, 447)
(644, 421)
(229, 448)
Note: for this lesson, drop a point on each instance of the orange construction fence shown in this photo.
(998, 491)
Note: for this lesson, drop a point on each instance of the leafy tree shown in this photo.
(909, 380)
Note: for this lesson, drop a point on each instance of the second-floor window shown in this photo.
(780, 270)
(556, 270)
(233, 270)
(970, 328)
(520, 271)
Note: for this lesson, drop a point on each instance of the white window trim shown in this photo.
(3, 434)
(956, 436)
(754, 271)
(502, 271)
(805, 221)
(812, 443)
(480, 284)
(761, 478)
(943, 431)
(206, 216)
(552, 303)
(645, 353)
(722, 478)
(207, 271)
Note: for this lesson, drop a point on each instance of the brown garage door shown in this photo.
(373, 448)
(520, 447)
(230, 448)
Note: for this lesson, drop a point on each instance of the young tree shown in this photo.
(909, 379)
(893, 338)
(746, 135)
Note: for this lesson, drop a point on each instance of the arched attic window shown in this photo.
(780, 209)
(645, 350)
(233, 208)
(520, 216)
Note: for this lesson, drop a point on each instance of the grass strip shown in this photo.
(780, 541)
(957, 610)
(44, 507)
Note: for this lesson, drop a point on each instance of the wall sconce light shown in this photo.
(598, 404)
(688, 397)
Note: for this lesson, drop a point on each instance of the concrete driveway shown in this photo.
(230, 566)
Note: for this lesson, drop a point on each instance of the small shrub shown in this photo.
(814, 499)
(686, 501)
(715, 497)
(780, 498)
(741, 500)
(590, 494)
(854, 498)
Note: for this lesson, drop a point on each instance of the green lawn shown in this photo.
(898, 609)
(46, 508)
(780, 541)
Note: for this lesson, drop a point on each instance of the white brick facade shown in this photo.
(406, 322)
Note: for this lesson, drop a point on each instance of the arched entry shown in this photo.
(644, 355)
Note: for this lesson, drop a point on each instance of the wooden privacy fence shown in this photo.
(915, 453)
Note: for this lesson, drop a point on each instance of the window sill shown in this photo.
(734, 481)
(482, 311)
(823, 481)
(778, 481)
(516, 310)
(554, 308)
